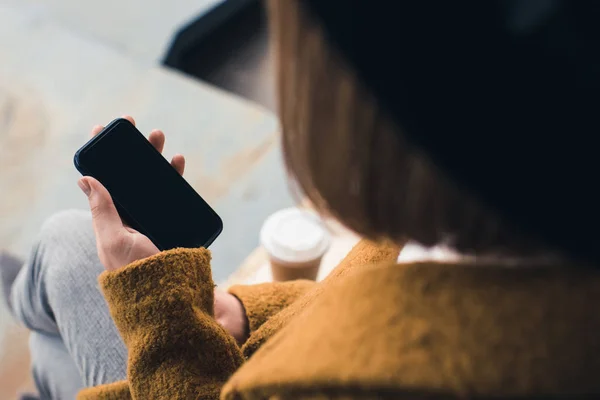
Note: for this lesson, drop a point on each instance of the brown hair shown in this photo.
(349, 157)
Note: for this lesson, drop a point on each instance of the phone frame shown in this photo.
(107, 130)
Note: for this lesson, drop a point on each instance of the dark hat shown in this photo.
(503, 95)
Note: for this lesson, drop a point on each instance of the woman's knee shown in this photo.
(63, 265)
(66, 253)
(67, 228)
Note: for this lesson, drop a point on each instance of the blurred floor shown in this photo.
(47, 107)
(15, 373)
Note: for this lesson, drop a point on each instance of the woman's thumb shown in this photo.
(104, 213)
(85, 187)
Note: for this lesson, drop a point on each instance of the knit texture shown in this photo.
(113, 391)
(436, 331)
(163, 308)
(364, 255)
(263, 301)
(373, 330)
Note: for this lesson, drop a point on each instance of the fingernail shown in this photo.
(84, 186)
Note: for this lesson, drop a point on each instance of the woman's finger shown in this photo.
(157, 138)
(105, 218)
(129, 118)
(96, 130)
(178, 162)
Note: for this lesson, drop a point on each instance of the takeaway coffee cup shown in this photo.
(296, 241)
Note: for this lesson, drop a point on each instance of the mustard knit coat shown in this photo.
(372, 330)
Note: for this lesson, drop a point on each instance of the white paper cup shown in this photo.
(296, 241)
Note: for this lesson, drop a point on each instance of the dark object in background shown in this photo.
(148, 192)
(502, 94)
(29, 396)
(229, 48)
(9, 269)
(209, 26)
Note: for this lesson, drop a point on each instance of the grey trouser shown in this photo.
(74, 342)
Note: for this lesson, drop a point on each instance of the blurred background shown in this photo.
(198, 69)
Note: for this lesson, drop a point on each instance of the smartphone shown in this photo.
(149, 194)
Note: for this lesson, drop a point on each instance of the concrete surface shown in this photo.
(56, 82)
(50, 98)
(141, 29)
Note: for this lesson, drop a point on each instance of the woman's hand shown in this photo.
(118, 244)
(230, 314)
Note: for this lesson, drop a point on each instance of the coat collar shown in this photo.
(438, 328)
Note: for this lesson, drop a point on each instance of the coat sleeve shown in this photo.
(263, 301)
(163, 309)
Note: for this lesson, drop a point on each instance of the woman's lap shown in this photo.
(54, 372)
(57, 296)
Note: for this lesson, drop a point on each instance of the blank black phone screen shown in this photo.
(150, 195)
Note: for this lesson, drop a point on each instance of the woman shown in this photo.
(456, 124)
